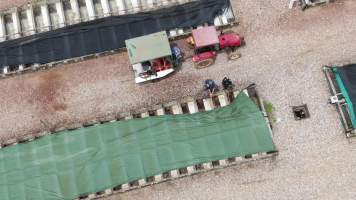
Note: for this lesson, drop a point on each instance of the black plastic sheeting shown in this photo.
(105, 34)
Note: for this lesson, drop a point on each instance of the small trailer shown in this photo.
(207, 42)
(152, 57)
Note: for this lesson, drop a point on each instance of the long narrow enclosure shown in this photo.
(120, 154)
(39, 16)
(102, 34)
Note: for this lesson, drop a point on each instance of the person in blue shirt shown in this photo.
(210, 87)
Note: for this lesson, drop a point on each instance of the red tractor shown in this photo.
(207, 42)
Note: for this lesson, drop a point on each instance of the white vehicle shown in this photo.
(152, 57)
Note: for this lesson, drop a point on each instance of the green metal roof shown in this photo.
(72, 163)
(148, 47)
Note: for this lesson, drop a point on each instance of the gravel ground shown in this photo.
(5, 4)
(284, 54)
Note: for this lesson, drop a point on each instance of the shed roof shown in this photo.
(205, 36)
(148, 47)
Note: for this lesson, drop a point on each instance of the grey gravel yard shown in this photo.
(284, 55)
(5, 4)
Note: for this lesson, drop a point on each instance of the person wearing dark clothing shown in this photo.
(227, 83)
(210, 87)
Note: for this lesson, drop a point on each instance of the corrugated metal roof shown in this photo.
(148, 47)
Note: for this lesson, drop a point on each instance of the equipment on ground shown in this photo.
(309, 3)
(207, 42)
(152, 57)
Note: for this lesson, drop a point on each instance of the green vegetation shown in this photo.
(270, 109)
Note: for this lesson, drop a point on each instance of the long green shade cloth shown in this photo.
(83, 161)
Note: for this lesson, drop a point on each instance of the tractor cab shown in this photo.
(205, 41)
(152, 57)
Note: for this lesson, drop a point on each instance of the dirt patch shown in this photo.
(48, 93)
(60, 107)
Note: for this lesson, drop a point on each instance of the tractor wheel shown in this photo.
(204, 63)
(233, 55)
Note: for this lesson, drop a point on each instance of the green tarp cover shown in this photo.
(73, 163)
(148, 47)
